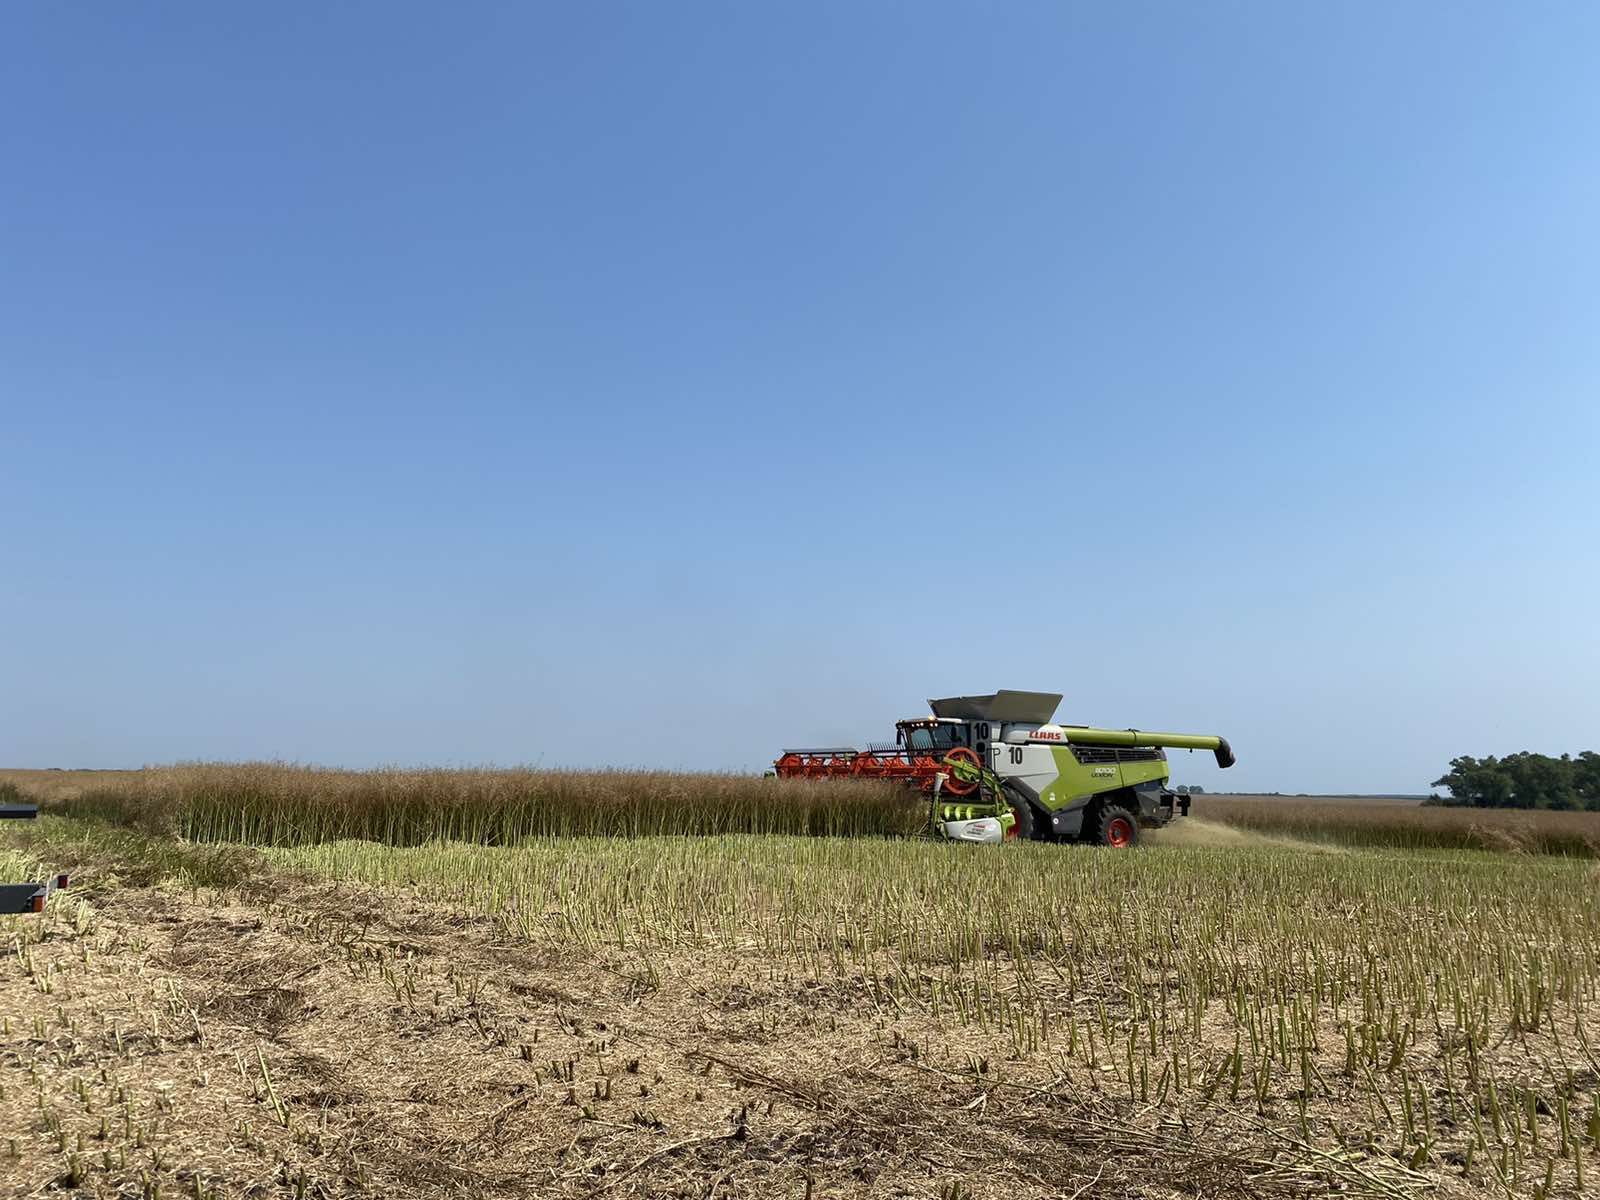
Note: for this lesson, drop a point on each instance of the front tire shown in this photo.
(1116, 827)
(1025, 830)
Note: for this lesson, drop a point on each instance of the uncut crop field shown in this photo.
(274, 981)
(274, 804)
(1354, 821)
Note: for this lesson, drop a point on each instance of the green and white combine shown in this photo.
(997, 767)
(1027, 777)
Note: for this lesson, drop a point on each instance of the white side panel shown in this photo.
(1034, 766)
(983, 829)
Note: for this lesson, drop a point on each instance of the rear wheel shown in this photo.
(1116, 827)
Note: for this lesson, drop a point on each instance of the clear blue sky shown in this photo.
(652, 384)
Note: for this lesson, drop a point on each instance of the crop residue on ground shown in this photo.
(1221, 1011)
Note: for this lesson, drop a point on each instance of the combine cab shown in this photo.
(997, 767)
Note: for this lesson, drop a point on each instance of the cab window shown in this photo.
(930, 738)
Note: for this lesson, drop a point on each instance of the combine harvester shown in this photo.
(996, 767)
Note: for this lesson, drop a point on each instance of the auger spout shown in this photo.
(1082, 735)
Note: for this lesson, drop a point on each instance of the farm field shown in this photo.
(277, 804)
(269, 1006)
(1375, 821)
(1297, 798)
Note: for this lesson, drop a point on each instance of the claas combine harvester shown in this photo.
(997, 767)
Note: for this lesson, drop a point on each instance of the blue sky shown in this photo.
(659, 385)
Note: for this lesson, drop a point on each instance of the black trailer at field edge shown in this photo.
(26, 897)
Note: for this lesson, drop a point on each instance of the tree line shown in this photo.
(1523, 780)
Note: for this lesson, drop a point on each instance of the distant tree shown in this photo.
(1586, 779)
(1196, 790)
(1524, 780)
(1182, 789)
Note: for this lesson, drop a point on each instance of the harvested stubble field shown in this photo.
(780, 1015)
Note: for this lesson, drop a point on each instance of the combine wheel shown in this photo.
(1024, 830)
(1116, 827)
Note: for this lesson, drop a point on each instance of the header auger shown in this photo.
(997, 767)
